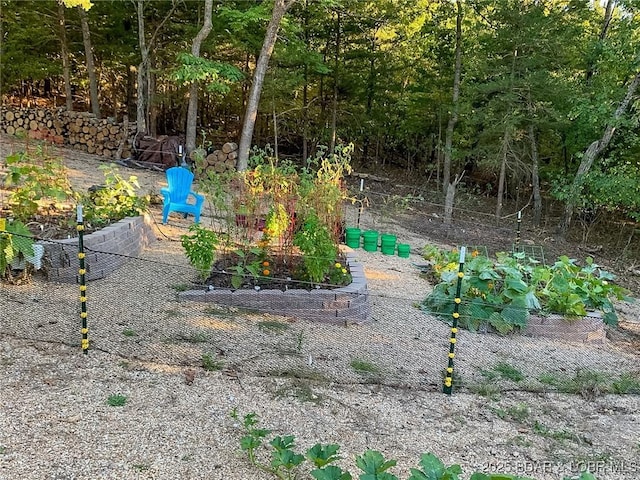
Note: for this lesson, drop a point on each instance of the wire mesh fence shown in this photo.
(152, 308)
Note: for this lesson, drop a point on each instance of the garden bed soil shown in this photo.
(283, 272)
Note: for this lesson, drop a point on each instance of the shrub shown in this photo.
(35, 181)
(200, 248)
(318, 248)
(116, 199)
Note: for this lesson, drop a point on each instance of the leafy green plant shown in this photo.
(519, 412)
(116, 400)
(35, 180)
(216, 76)
(250, 264)
(486, 389)
(339, 275)
(374, 466)
(502, 293)
(318, 248)
(210, 364)
(362, 366)
(627, 383)
(278, 221)
(322, 190)
(286, 463)
(505, 371)
(287, 204)
(200, 248)
(15, 243)
(116, 199)
(592, 383)
(273, 326)
(180, 287)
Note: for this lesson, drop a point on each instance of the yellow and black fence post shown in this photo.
(448, 379)
(83, 284)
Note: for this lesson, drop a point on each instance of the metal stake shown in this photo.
(448, 380)
(83, 285)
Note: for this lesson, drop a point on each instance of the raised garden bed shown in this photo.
(340, 306)
(588, 329)
(106, 250)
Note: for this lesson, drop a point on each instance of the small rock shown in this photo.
(189, 376)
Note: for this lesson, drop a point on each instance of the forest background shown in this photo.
(533, 97)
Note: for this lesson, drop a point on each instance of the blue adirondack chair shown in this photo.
(176, 195)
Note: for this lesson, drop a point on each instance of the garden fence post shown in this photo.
(83, 285)
(448, 380)
(361, 207)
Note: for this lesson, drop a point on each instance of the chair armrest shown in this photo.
(199, 197)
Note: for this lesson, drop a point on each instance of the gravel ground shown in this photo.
(56, 423)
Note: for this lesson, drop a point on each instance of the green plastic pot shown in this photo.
(388, 244)
(370, 240)
(404, 249)
(352, 237)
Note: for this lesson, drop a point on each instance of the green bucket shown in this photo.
(370, 240)
(403, 250)
(352, 237)
(388, 244)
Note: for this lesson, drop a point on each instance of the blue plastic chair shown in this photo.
(177, 193)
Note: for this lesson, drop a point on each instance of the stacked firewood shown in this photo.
(77, 130)
(223, 160)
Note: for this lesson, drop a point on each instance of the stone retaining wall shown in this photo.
(105, 250)
(341, 306)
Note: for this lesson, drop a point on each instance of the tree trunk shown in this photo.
(453, 118)
(371, 88)
(503, 173)
(143, 88)
(192, 111)
(142, 74)
(535, 177)
(608, 15)
(66, 62)
(275, 127)
(91, 69)
(123, 140)
(305, 116)
(151, 102)
(592, 152)
(280, 7)
(450, 198)
(334, 104)
(305, 88)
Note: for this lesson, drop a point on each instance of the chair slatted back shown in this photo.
(179, 180)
